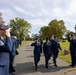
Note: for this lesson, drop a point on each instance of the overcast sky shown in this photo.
(40, 12)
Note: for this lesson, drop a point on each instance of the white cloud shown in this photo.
(40, 12)
(19, 9)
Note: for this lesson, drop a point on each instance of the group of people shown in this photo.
(8, 50)
(50, 48)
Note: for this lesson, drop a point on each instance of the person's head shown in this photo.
(55, 37)
(13, 35)
(3, 30)
(72, 36)
(36, 39)
(47, 39)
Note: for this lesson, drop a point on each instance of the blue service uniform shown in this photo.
(4, 55)
(73, 50)
(12, 54)
(37, 52)
(18, 41)
(14, 47)
(55, 50)
(47, 47)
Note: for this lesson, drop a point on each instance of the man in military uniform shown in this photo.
(5, 49)
(55, 49)
(13, 52)
(37, 52)
(72, 48)
(14, 47)
(47, 47)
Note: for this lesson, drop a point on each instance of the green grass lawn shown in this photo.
(67, 58)
(24, 42)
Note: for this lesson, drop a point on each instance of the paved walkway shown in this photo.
(24, 64)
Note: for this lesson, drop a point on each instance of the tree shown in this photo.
(68, 33)
(1, 19)
(57, 28)
(62, 27)
(20, 27)
(75, 29)
(54, 27)
(35, 35)
(44, 31)
(28, 37)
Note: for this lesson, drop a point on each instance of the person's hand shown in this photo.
(61, 49)
(7, 33)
